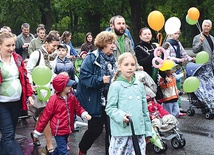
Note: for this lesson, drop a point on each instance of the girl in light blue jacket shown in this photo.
(127, 97)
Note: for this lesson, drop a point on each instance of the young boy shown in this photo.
(60, 111)
(170, 93)
(63, 63)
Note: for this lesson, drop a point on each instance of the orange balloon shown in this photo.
(156, 20)
(193, 13)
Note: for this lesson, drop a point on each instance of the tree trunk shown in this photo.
(136, 18)
(94, 23)
(46, 14)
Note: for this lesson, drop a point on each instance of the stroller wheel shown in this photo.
(176, 143)
(208, 115)
(204, 110)
(183, 142)
(190, 112)
(158, 150)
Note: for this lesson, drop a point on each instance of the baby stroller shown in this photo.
(167, 130)
(203, 97)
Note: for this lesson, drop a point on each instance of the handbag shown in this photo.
(37, 108)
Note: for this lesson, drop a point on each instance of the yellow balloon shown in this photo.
(156, 20)
(193, 13)
(167, 65)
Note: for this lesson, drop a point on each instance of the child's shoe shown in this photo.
(181, 114)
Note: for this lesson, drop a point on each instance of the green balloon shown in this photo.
(190, 21)
(202, 57)
(41, 75)
(191, 84)
(40, 96)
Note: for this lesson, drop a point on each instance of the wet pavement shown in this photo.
(197, 130)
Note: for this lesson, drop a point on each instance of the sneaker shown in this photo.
(181, 114)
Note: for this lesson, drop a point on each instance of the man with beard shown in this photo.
(123, 43)
(204, 41)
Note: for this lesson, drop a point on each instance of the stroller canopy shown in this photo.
(205, 92)
(191, 68)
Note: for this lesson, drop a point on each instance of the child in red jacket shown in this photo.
(160, 118)
(60, 111)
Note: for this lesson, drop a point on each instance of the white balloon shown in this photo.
(172, 25)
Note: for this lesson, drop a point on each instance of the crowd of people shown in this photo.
(97, 83)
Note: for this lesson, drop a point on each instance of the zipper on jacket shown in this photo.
(57, 126)
(69, 119)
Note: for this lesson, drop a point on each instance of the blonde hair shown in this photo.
(4, 36)
(120, 60)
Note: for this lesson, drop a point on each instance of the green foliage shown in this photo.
(82, 16)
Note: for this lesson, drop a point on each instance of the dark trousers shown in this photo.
(9, 113)
(95, 128)
(61, 148)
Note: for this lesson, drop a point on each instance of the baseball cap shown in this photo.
(70, 83)
(83, 52)
(63, 46)
(61, 81)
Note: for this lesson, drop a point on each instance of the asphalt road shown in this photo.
(197, 131)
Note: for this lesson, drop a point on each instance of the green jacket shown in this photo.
(128, 98)
(77, 64)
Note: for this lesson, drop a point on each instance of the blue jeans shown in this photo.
(61, 148)
(9, 113)
(172, 108)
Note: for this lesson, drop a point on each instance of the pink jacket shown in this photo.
(155, 109)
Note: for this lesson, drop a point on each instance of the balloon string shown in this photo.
(198, 26)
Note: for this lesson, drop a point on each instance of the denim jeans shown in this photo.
(172, 108)
(61, 148)
(9, 113)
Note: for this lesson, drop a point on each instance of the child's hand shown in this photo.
(88, 117)
(140, 68)
(125, 119)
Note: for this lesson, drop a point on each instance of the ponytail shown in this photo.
(116, 75)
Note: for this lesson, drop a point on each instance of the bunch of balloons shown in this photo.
(162, 64)
(192, 16)
(41, 76)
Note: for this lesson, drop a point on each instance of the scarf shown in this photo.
(108, 64)
(174, 44)
(108, 68)
(48, 57)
